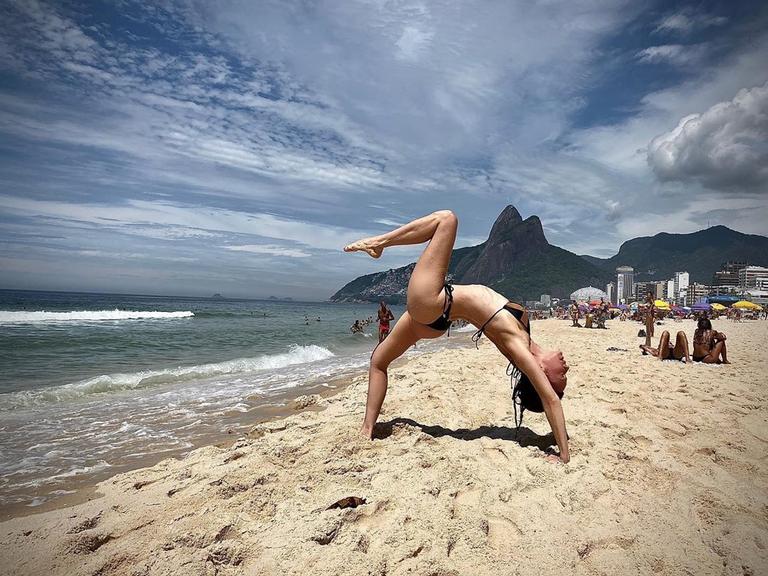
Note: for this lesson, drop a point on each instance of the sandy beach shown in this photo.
(668, 475)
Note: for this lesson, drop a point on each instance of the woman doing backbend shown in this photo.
(432, 305)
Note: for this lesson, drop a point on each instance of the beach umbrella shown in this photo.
(622, 306)
(661, 304)
(719, 307)
(746, 305)
(699, 306)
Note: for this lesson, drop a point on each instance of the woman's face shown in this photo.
(555, 367)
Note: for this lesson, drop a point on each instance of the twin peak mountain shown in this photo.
(518, 262)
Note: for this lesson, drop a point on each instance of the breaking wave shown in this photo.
(150, 378)
(24, 317)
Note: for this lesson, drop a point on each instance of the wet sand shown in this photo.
(668, 475)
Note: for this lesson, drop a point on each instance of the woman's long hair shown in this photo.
(702, 327)
(524, 395)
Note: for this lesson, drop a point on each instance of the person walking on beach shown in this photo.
(432, 304)
(650, 317)
(385, 315)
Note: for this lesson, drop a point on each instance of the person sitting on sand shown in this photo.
(666, 351)
(432, 304)
(385, 315)
(708, 344)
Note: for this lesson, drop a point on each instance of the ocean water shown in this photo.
(95, 383)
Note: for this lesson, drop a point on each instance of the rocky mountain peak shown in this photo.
(508, 218)
(511, 239)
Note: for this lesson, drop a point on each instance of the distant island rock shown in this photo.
(217, 296)
(286, 299)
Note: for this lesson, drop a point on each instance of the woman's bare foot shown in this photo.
(366, 432)
(367, 245)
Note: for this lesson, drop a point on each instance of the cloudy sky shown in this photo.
(201, 146)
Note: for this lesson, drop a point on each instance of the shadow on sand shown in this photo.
(526, 436)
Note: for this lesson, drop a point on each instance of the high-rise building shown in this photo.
(657, 289)
(749, 275)
(625, 277)
(660, 290)
(682, 279)
(610, 289)
(728, 275)
(695, 293)
(546, 300)
(671, 292)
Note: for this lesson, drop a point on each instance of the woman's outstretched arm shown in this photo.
(520, 355)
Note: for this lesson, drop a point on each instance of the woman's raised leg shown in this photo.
(425, 288)
(724, 353)
(664, 346)
(681, 347)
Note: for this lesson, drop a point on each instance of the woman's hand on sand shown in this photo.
(552, 456)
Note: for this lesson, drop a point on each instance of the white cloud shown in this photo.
(183, 221)
(688, 20)
(270, 250)
(724, 148)
(677, 54)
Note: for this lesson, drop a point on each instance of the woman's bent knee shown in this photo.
(447, 215)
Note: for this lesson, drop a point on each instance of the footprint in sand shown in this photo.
(757, 425)
(465, 500)
(88, 543)
(502, 533)
(87, 524)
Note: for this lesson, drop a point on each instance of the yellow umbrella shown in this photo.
(718, 307)
(661, 304)
(746, 305)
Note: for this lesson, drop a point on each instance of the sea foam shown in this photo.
(24, 317)
(151, 378)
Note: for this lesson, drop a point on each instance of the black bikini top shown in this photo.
(516, 312)
(443, 322)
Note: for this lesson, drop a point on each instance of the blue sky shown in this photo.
(193, 147)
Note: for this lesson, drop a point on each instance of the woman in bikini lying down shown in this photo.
(667, 351)
(432, 305)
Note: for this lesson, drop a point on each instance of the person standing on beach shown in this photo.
(432, 303)
(650, 317)
(385, 315)
(575, 315)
